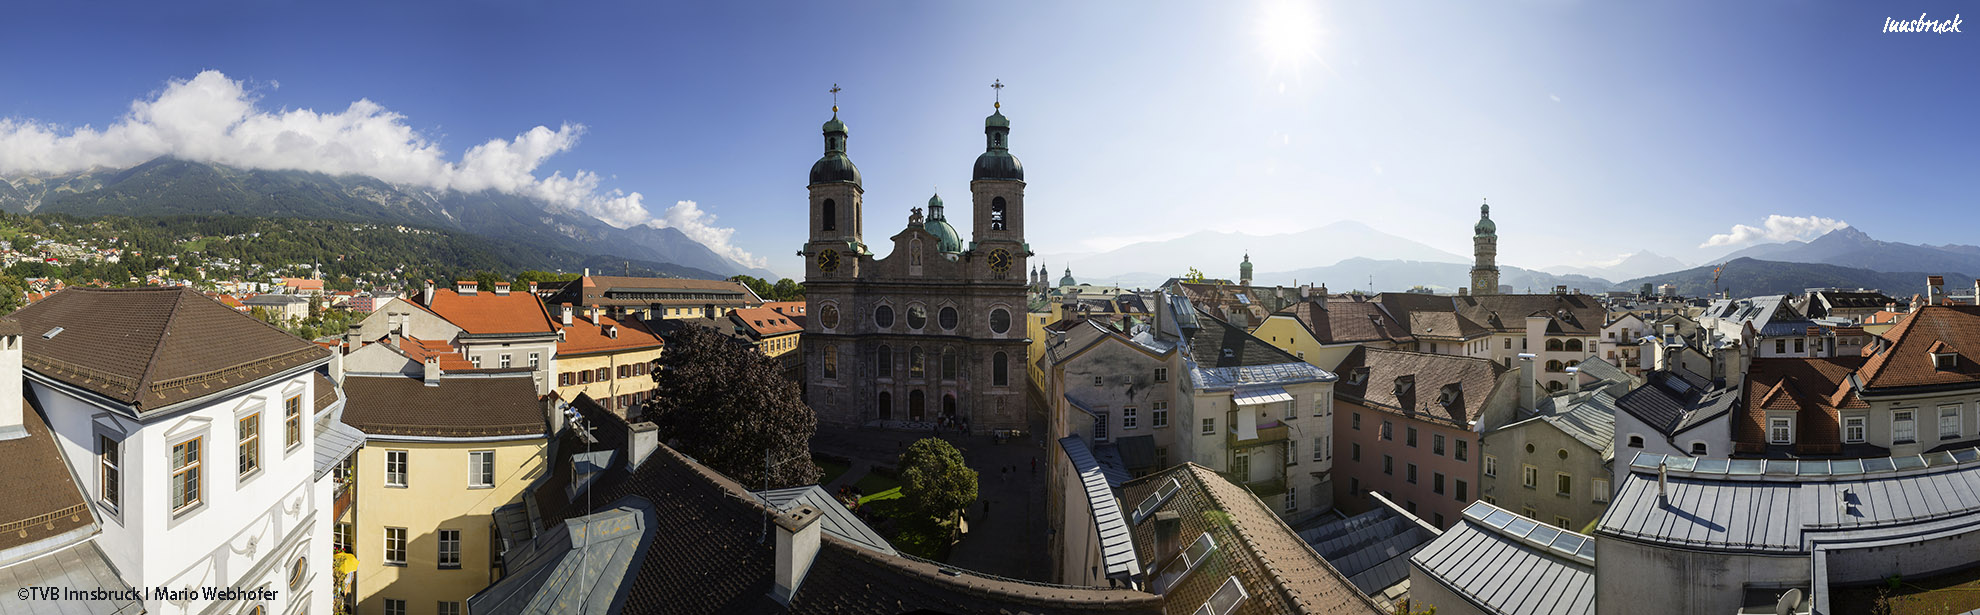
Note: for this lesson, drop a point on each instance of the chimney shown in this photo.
(1560, 289)
(1320, 298)
(426, 296)
(1526, 380)
(1935, 289)
(797, 546)
(1574, 379)
(432, 377)
(501, 289)
(645, 440)
(532, 288)
(567, 314)
(591, 314)
(337, 364)
(1168, 536)
(465, 287)
(1464, 292)
(13, 420)
(1663, 484)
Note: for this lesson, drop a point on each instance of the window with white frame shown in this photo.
(1318, 449)
(481, 468)
(1563, 484)
(1780, 430)
(1210, 426)
(1129, 420)
(109, 483)
(292, 421)
(1292, 409)
(1530, 477)
(535, 359)
(506, 361)
(1491, 465)
(1599, 489)
(395, 546)
(1904, 426)
(1292, 498)
(247, 432)
(395, 468)
(346, 537)
(1948, 422)
(1161, 374)
(448, 608)
(395, 606)
(450, 549)
(1292, 452)
(185, 474)
(1854, 428)
(1323, 405)
(1158, 414)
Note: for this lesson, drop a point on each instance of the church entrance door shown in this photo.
(915, 405)
(949, 405)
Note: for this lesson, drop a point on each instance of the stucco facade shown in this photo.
(438, 494)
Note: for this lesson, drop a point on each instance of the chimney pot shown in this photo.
(1168, 536)
(13, 417)
(797, 547)
(432, 375)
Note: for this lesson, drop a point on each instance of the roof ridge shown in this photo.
(158, 345)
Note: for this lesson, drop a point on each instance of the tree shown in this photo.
(756, 285)
(788, 290)
(935, 479)
(523, 279)
(1193, 276)
(13, 294)
(727, 405)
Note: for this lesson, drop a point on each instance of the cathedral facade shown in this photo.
(934, 328)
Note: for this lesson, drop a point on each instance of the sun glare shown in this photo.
(1289, 35)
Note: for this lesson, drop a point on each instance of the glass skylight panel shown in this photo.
(1543, 535)
(1225, 599)
(1846, 466)
(1180, 567)
(1712, 466)
(1499, 519)
(1966, 454)
(1878, 464)
(1781, 466)
(1587, 550)
(1682, 464)
(1908, 462)
(1814, 467)
(1569, 543)
(1154, 501)
(1520, 526)
(1647, 460)
(1478, 511)
(1941, 458)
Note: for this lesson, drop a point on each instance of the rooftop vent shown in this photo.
(51, 333)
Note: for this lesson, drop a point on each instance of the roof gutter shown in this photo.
(102, 401)
(373, 437)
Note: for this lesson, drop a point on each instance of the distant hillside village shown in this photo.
(941, 425)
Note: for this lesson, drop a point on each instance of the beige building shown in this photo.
(442, 453)
(1322, 330)
(609, 359)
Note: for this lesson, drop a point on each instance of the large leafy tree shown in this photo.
(935, 479)
(728, 406)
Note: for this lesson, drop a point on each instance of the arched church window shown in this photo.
(948, 363)
(997, 214)
(917, 363)
(883, 362)
(831, 216)
(1000, 369)
(831, 363)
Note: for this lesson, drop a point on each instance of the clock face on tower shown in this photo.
(828, 260)
(1000, 260)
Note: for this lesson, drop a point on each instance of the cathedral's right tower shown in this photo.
(1485, 254)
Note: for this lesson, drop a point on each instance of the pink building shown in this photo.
(1403, 424)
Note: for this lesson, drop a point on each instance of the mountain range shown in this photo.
(1635, 265)
(1147, 264)
(170, 186)
(1849, 247)
(1750, 277)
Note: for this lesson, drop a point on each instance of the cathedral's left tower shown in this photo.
(833, 257)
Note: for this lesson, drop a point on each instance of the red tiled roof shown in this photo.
(788, 308)
(37, 483)
(485, 313)
(1344, 320)
(302, 283)
(1813, 388)
(1377, 371)
(583, 337)
(1907, 361)
(420, 350)
(765, 322)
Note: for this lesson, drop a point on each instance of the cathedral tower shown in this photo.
(997, 186)
(1485, 254)
(1244, 271)
(835, 245)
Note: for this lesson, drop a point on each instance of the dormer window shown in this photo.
(1405, 384)
(1357, 375)
(1448, 395)
(1945, 360)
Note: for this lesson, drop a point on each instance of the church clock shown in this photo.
(828, 260)
(1000, 260)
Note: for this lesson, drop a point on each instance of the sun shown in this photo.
(1289, 35)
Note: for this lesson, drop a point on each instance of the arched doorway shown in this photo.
(886, 405)
(948, 405)
(916, 405)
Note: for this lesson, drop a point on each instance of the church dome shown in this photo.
(946, 238)
(1485, 225)
(834, 167)
(1068, 280)
(997, 161)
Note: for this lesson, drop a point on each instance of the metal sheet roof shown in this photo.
(1770, 506)
(838, 521)
(1371, 549)
(335, 440)
(583, 569)
(78, 566)
(1257, 395)
(1116, 541)
(1512, 565)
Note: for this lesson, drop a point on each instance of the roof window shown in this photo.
(1945, 360)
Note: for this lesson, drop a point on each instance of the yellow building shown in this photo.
(1322, 330)
(609, 359)
(441, 454)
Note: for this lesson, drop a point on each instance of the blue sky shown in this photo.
(1595, 128)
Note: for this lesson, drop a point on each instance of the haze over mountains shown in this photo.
(170, 186)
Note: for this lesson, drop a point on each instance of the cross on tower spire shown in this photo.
(998, 96)
(835, 99)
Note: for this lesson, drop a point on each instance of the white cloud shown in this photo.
(212, 118)
(1776, 228)
(1555, 97)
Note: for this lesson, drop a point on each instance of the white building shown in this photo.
(190, 428)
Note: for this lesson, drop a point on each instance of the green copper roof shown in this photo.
(834, 125)
(1068, 280)
(946, 238)
(834, 166)
(997, 120)
(1485, 225)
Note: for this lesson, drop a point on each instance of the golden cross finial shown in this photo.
(998, 97)
(835, 98)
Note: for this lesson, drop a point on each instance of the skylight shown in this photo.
(51, 333)
(1179, 568)
(1155, 500)
(1225, 599)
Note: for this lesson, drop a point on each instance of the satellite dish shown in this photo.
(1789, 600)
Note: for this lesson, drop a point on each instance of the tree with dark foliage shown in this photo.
(727, 405)
(935, 478)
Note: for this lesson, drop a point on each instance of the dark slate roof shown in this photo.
(1377, 371)
(1279, 572)
(1222, 344)
(38, 485)
(153, 347)
(1345, 320)
(1571, 314)
(1372, 549)
(458, 407)
(1671, 405)
(1817, 389)
(709, 558)
(1777, 506)
(578, 570)
(1511, 565)
(1443, 325)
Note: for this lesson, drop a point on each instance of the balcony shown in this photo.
(1266, 488)
(1268, 433)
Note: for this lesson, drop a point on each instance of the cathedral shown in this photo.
(935, 327)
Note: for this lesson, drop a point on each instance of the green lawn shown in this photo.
(829, 470)
(873, 484)
(915, 534)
